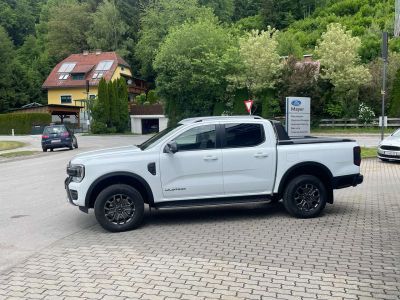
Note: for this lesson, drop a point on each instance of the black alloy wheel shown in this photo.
(119, 207)
(305, 196)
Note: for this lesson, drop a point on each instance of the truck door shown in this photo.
(194, 171)
(249, 157)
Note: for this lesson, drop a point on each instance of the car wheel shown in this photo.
(44, 149)
(71, 147)
(75, 142)
(119, 207)
(305, 196)
(51, 149)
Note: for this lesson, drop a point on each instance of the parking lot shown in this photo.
(48, 249)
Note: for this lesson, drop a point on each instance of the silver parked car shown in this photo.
(389, 148)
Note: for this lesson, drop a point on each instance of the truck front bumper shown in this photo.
(341, 182)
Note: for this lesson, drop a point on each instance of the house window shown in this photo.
(78, 76)
(66, 67)
(104, 65)
(97, 75)
(66, 99)
(91, 97)
(63, 76)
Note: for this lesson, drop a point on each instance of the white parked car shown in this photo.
(210, 161)
(389, 148)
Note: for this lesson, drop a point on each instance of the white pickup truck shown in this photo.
(210, 161)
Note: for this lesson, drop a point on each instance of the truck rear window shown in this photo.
(243, 135)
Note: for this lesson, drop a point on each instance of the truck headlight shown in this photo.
(77, 172)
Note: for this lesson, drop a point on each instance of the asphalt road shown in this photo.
(34, 211)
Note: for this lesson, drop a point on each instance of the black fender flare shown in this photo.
(133, 176)
(308, 165)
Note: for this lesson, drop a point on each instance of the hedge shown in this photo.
(22, 122)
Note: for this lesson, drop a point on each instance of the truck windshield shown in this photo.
(154, 139)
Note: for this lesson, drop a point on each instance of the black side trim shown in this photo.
(341, 182)
(313, 140)
(215, 201)
(115, 174)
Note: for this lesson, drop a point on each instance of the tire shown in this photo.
(305, 197)
(44, 149)
(51, 149)
(71, 147)
(123, 195)
(75, 143)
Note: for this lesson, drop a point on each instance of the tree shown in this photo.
(288, 45)
(110, 109)
(245, 8)
(67, 35)
(338, 53)
(158, 18)
(257, 62)
(191, 68)
(122, 105)
(301, 79)
(108, 29)
(281, 13)
(100, 107)
(6, 58)
(223, 9)
(394, 110)
(18, 18)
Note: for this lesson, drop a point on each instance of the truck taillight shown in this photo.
(45, 136)
(357, 155)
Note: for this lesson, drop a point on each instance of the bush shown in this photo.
(22, 123)
(98, 127)
(365, 114)
(101, 128)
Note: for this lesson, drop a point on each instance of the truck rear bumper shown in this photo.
(341, 182)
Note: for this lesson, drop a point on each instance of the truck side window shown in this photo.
(243, 135)
(198, 138)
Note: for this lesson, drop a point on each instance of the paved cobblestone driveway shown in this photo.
(240, 252)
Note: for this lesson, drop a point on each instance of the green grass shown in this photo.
(8, 145)
(17, 154)
(367, 152)
(341, 130)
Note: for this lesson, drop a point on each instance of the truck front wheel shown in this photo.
(305, 196)
(119, 207)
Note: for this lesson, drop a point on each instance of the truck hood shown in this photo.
(103, 153)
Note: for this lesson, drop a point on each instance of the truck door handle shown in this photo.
(210, 157)
(261, 155)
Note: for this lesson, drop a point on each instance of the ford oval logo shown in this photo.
(296, 102)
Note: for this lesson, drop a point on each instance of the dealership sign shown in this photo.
(298, 116)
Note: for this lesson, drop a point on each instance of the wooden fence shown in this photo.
(391, 122)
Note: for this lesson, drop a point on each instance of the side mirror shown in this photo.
(171, 147)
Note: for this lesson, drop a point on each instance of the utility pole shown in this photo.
(383, 91)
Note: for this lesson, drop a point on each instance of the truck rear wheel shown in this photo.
(305, 196)
(119, 207)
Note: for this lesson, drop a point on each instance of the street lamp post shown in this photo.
(383, 91)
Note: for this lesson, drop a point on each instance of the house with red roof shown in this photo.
(75, 80)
